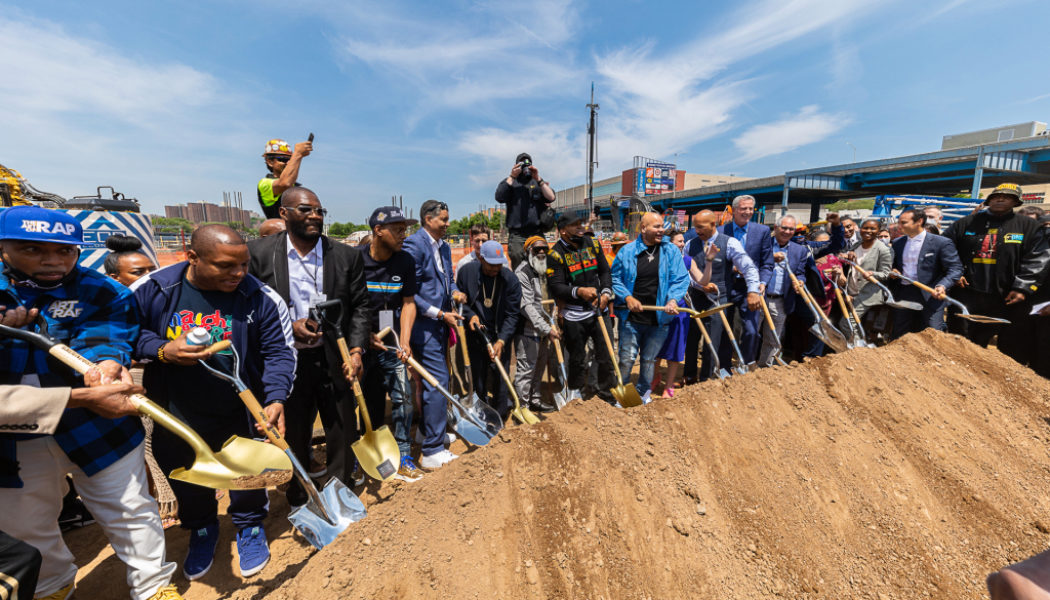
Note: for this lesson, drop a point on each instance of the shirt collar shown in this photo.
(920, 238)
(739, 228)
(314, 252)
(435, 242)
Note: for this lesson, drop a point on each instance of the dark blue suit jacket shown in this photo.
(800, 260)
(434, 288)
(758, 243)
(938, 264)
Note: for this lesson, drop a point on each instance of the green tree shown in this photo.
(167, 224)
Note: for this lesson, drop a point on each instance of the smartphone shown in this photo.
(311, 138)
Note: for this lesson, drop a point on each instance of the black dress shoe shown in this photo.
(543, 407)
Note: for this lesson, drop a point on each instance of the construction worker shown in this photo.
(1004, 257)
(283, 164)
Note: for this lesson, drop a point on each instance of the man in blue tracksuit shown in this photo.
(651, 272)
(213, 289)
(436, 290)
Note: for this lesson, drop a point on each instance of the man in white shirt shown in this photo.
(928, 259)
(479, 234)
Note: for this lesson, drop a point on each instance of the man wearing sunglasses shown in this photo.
(306, 268)
(283, 164)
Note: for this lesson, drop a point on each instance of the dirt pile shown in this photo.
(908, 471)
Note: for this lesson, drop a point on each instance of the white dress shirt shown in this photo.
(912, 250)
(305, 282)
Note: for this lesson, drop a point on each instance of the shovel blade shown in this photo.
(831, 336)
(242, 464)
(524, 415)
(475, 421)
(378, 454)
(983, 319)
(340, 503)
(627, 395)
(904, 305)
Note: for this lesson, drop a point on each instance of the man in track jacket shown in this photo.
(213, 289)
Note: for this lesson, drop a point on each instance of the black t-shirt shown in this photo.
(389, 282)
(205, 393)
(646, 284)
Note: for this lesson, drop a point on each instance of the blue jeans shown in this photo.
(385, 373)
(648, 339)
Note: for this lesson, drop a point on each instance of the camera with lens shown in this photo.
(526, 173)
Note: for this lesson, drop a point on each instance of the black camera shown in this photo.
(526, 173)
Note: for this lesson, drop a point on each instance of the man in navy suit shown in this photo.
(781, 295)
(436, 292)
(758, 243)
(928, 259)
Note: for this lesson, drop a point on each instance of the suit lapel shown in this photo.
(327, 260)
(280, 266)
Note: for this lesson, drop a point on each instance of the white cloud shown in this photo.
(809, 125)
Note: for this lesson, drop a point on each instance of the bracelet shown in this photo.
(357, 351)
(160, 353)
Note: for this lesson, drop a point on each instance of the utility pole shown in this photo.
(592, 152)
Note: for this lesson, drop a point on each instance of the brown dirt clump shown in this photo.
(909, 471)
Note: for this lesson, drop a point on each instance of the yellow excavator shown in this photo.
(16, 191)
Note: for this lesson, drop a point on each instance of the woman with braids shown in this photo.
(126, 261)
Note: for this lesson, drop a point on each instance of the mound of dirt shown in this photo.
(908, 471)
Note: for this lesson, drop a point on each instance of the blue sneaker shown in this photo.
(201, 553)
(253, 550)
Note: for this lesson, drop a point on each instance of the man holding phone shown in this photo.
(283, 164)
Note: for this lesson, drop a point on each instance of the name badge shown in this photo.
(317, 298)
(386, 319)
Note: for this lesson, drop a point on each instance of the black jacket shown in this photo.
(569, 268)
(344, 279)
(1001, 254)
(525, 203)
(502, 319)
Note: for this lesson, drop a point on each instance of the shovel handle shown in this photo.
(865, 274)
(921, 286)
(362, 406)
(275, 437)
(841, 301)
(609, 345)
(769, 317)
(506, 378)
(218, 346)
(344, 352)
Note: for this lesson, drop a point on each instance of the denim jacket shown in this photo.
(674, 278)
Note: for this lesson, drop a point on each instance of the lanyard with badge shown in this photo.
(316, 296)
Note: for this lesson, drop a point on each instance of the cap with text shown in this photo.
(388, 215)
(36, 224)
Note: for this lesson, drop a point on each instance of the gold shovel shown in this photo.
(625, 393)
(519, 412)
(242, 464)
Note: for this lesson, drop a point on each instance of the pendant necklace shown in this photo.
(488, 296)
(650, 254)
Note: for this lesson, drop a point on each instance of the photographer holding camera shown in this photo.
(527, 198)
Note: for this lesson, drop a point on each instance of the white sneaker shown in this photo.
(647, 398)
(437, 460)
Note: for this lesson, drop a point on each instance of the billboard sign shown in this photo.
(655, 178)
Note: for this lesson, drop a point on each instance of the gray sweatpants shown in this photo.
(776, 310)
(532, 353)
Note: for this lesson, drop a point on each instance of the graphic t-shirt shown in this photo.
(389, 282)
(213, 311)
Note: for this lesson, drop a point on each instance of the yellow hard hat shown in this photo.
(1008, 189)
(276, 146)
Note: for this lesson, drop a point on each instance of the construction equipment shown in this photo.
(772, 330)
(822, 328)
(376, 450)
(241, 464)
(476, 423)
(890, 300)
(858, 338)
(326, 514)
(963, 313)
(16, 191)
(952, 209)
(625, 394)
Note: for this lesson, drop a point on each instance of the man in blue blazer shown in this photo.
(758, 243)
(925, 258)
(781, 296)
(437, 291)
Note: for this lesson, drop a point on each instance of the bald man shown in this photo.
(270, 227)
(731, 255)
(647, 272)
(212, 289)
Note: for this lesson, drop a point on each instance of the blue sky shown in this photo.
(173, 102)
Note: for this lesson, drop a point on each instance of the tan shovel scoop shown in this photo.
(242, 464)
(376, 450)
(626, 394)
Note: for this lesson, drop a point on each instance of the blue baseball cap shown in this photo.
(36, 224)
(387, 215)
(492, 253)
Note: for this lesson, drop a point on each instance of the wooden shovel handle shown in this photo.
(769, 317)
(218, 346)
(842, 302)
(922, 286)
(728, 327)
(344, 352)
(865, 274)
(609, 345)
(362, 407)
(262, 419)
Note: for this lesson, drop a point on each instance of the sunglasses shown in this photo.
(281, 158)
(305, 210)
(539, 250)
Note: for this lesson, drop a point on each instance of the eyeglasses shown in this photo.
(281, 158)
(305, 210)
(539, 250)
